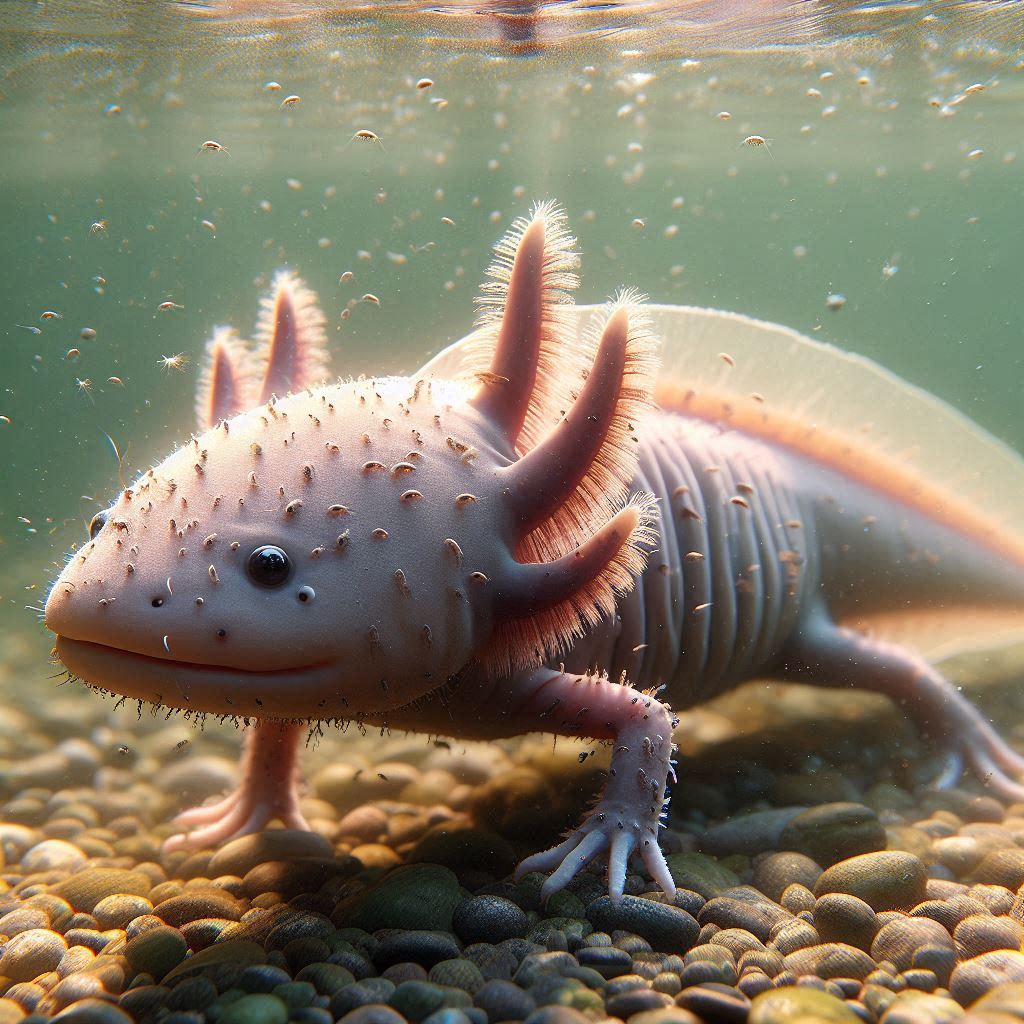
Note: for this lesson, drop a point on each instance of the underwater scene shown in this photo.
(512, 511)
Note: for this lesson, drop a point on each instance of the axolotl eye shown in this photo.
(97, 523)
(269, 566)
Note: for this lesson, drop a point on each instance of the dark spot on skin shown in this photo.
(157, 602)
(222, 633)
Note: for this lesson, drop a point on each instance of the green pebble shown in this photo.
(156, 951)
(326, 978)
(255, 1009)
(418, 897)
(795, 1005)
(295, 994)
(701, 874)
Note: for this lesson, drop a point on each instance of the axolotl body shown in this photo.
(539, 531)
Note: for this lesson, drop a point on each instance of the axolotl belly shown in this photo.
(546, 528)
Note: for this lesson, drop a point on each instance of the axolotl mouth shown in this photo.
(305, 691)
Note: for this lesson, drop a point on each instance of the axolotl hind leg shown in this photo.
(824, 653)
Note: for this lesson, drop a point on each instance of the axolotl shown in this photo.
(550, 527)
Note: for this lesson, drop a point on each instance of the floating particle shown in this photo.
(6, 420)
(799, 251)
(290, 101)
(175, 362)
(370, 297)
(209, 225)
(272, 87)
(835, 301)
(829, 111)
(323, 243)
(758, 140)
(72, 355)
(814, 94)
(826, 76)
(671, 231)
(87, 334)
(212, 146)
(111, 110)
(98, 227)
(448, 222)
(49, 314)
(890, 270)
(294, 184)
(724, 115)
(84, 385)
(165, 306)
(971, 89)
(115, 380)
(639, 223)
(32, 329)
(346, 277)
(438, 104)
(424, 83)
(365, 135)
(975, 154)
(266, 205)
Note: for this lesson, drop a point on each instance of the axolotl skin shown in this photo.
(545, 529)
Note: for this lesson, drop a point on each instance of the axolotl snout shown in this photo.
(537, 531)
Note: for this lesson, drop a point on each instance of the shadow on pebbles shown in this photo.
(809, 890)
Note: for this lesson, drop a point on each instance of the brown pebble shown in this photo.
(886, 880)
(973, 978)
(87, 887)
(830, 960)
(31, 953)
(775, 872)
(899, 940)
(190, 906)
(119, 910)
(833, 832)
(983, 933)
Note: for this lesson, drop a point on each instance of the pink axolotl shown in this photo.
(541, 530)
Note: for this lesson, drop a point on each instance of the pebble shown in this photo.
(668, 929)
(258, 1008)
(87, 887)
(372, 1013)
(776, 872)
(53, 855)
(886, 880)
(748, 833)
(191, 906)
(416, 1000)
(423, 947)
(503, 1000)
(488, 919)
(701, 874)
(240, 856)
(1004, 867)
(799, 1005)
(420, 897)
(119, 910)
(973, 978)
(156, 951)
(93, 1011)
(830, 960)
(31, 953)
(833, 832)
(715, 1002)
(754, 913)
(983, 933)
(899, 940)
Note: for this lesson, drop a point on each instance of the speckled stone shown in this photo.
(416, 1000)
(748, 833)
(421, 897)
(899, 940)
(840, 917)
(668, 929)
(1004, 867)
(911, 1007)
(749, 910)
(503, 1000)
(973, 978)
(488, 919)
(797, 1005)
(887, 880)
(31, 953)
(423, 947)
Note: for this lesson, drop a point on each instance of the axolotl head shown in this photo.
(347, 549)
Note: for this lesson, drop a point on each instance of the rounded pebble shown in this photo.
(488, 919)
(31, 953)
(887, 880)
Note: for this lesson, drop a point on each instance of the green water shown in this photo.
(893, 186)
